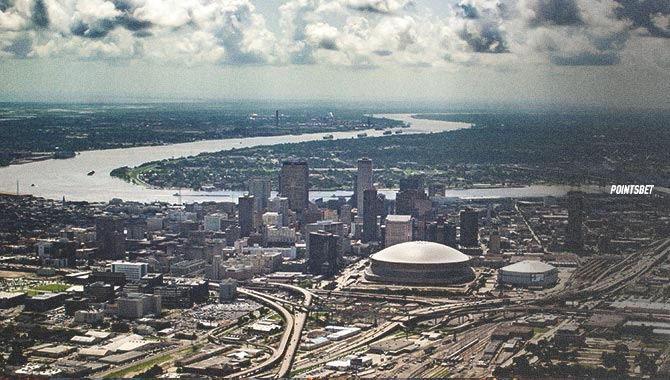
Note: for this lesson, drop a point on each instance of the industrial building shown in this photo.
(528, 273)
(420, 262)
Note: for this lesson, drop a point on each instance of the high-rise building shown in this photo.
(246, 215)
(398, 229)
(363, 182)
(345, 214)
(414, 182)
(574, 238)
(227, 290)
(213, 222)
(280, 205)
(413, 202)
(338, 229)
(294, 184)
(110, 237)
(469, 228)
(132, 271)
(323, 253)
(375, 206)
(436, 189)
(260, 188)
(494, 242)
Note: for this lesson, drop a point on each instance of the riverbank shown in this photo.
(55, 179)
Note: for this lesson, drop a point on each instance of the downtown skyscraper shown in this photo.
(363, 182)
(294, 184)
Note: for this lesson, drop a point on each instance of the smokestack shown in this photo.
(277, 118)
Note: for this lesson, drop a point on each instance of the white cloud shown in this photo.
(359, 33)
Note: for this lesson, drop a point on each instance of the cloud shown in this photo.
(379, 6)
(40, 14)
(647, 14)
(557, 12)
(586, 59)
(19, 47)
(352, 33)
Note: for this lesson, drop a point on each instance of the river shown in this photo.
(55, 179)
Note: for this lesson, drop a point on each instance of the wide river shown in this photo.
(55, 179)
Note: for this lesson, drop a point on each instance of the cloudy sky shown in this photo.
(590, 52)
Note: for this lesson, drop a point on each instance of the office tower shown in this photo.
(574, 239)
(259, 187)
(345, 214)
(450, 235)
(213, 222)
(227, 290)
(398, 229)
(494, 242)
(338, 229)
(323, 247)
(246, 215)
(413, 202)
(280, 205)
(469, 228)
(375, 206)
(363, 182)
(436, 190)
(414, 182)
(110, 237)
(132, 271)
(294, 184)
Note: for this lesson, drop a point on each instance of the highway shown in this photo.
(272, 360)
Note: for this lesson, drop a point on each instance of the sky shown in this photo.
(606, 53)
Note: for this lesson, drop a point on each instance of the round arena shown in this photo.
(420, 262)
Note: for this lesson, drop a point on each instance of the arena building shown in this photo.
(420, 262)
(528, 273)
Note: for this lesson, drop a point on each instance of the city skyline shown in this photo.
(532, 52)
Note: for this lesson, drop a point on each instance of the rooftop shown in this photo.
(420, 252)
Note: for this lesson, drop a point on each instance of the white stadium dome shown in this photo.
(420, 262)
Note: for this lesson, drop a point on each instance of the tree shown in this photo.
(647, 364)
(16, 357)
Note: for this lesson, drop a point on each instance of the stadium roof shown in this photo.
(420, 252)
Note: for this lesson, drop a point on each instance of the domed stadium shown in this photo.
(420, 262)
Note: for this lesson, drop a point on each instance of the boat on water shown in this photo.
(386, 133)
(399, 131)
(363, 134)
(328, 137)
(91, 172)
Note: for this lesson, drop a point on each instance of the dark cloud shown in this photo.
(557, 12)
(488, 40)
(587, 59)
(379, 6)
(131, 23)
(5, 4)
(383, 53)
(469, 11)
(640, 12)
(97, 29)
(142, 34)
(40, 15)
(614, 41)
(328, 44)
(20, 47)
(101, 28)
(122, 5)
